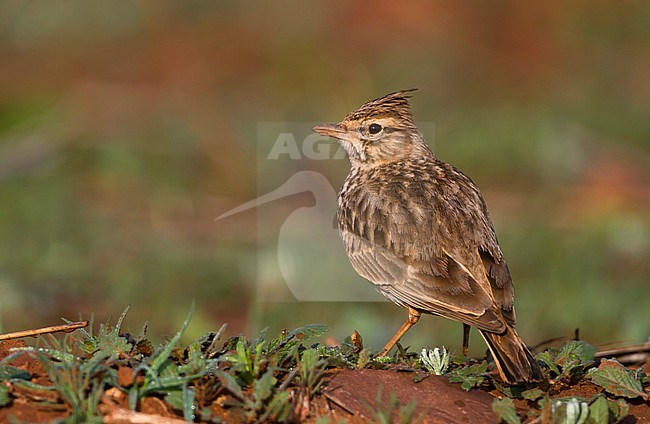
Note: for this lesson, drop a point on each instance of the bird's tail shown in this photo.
(514, 361)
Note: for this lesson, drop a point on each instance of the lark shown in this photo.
(419, 230)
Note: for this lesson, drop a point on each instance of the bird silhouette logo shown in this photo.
(310, 256)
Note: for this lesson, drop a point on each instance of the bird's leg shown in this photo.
(466, 329)
(414, 316)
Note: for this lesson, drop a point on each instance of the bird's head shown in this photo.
(380, 131)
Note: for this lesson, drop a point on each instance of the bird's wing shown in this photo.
(499, 276)
(457, 296)
(463, 231)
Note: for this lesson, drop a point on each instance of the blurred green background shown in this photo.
(126, 128)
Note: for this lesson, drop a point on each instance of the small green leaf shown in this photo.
(532, 394)
(645, 379)
(113, 343)
(34, 386)
(230, 384)
(419, 377)
(569, 359)
(243, 356)
(382, 360)
(8, 372)
(598, 411)
(118, 326)
(168, 369)
(458, 359)
(505, 411)
(59, 355)
(263, 387)
(570, 411)
(167, 350)
(365, 357)
(188, 403)
(469, 376)
(175, 399)
(576, 350)
(309, 359)
(548, 359)
(514, 392)
(134, 396)
(278, 408)
(309, 331)
(4, 395)
(618, 408)
(196, 361)
(617, 380)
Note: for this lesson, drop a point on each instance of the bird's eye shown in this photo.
(374, 128)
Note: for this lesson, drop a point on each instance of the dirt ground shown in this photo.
(349, 394)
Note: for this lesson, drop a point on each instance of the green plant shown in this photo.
(248, 361)
(436, 361)
(259, 373)
(164, 375)
(618, 380)
(505, 411)
(79, 380)
(569, 361)
(572, 410)
(81, 383)
(263, 401)
(268, 379)
(469, 376)
(5, 399)
(107, 339)
(311, 369)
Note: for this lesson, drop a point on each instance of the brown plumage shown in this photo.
(419, 230)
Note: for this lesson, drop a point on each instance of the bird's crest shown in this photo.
(393, 105)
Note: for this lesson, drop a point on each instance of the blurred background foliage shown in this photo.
(127, 128)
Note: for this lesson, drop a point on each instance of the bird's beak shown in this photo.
(331, 130)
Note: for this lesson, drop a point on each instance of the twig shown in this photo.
(210, 351)
(627, 355)
(67, 328)
(639, 348)
(121, 415)
(288, 380)
(338, 402)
